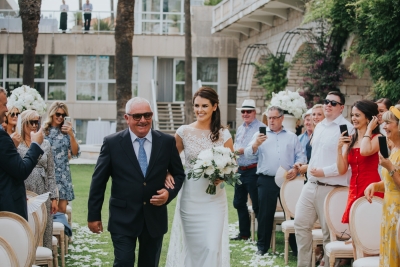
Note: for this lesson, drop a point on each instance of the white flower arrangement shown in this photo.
(292, 102)
(25, 98)
(217, 163)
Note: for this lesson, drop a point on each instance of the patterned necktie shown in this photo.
(142, 155)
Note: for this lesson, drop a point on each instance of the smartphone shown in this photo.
(343, 128)
(67, 119)
(263, 130)
(39, 123)
(383, 147)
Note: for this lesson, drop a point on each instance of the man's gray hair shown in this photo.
(279, 109)
(136, 100)
(2, 90)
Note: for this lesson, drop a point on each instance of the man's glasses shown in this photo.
(14, 114)
(138, 116)
(34, 122)
(246, 111)
(60, 114)
(333, 102)
(274, 118)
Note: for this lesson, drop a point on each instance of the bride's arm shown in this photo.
(169, 180)
(228, 144)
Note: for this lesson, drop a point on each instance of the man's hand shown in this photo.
(291, 174)
(317, 172)
(16, 137)
(37, 137)
(240, 151)
(260, 139)
(96, 227)
(161, 198)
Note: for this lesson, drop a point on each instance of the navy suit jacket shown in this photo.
(13, 172)
(129, 205)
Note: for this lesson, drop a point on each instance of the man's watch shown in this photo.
(391, 173)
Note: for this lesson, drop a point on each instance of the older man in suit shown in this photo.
(13, 169)
(137, 159)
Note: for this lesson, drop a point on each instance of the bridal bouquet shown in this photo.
(217, 163)
(25, 98)
(292, 102)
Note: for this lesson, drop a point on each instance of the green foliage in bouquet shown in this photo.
(272, 74)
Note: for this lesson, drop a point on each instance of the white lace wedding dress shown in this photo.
(200, 235)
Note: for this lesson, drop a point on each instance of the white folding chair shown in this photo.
(365, 225)
(7, 255)
(279, 218)
(58, 232)
(290, 193)
(17, 232)
(334, 207)
(44, 256)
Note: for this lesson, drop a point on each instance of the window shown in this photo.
(179, 81)
(49, 72)
(207, 72)
(232, 81)
(96, 80)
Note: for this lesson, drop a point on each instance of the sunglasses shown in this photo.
(14, 114)
(34, 122)
(246, 111)
(333, 102)
(138, 116)
(60, 114)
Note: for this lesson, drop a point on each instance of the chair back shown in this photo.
(365, 224)
(334, 207)
(290, 193)
(398, 236)
(33, 221)
(7, 254)
(42, 216)
(16, 231)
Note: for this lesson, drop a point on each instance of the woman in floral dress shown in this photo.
(389, 255)
(41, 180)
(61, 136)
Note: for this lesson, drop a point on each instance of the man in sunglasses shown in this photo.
(138, 160)
(13, 169)
(247, 168)
(323, 176)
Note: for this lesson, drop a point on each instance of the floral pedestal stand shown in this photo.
(289, 123)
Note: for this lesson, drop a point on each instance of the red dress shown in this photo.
(364, 171)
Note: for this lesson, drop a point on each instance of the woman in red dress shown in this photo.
(360, 151)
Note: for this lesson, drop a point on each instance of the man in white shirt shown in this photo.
(323, 176)
(87, 14)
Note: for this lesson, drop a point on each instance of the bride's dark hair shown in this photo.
(210, 94)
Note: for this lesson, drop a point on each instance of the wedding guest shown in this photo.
(247, 168)
(360, 151)
(14, 169)
(299, 127)
(87, 15)
(305, 137)
(63, 16)
(322, 175)
(265, 149)
(200, 235)
(12, 119)
(383, 105)
(61, 136)
(4, 123)
(41, 180)
(389, 253)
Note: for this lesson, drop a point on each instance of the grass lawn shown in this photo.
(89, 249)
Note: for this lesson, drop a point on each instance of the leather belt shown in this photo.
(251, 166)
(319, 183)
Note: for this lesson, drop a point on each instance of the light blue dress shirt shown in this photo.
(243, 137)
(280, 149)
(304, 139)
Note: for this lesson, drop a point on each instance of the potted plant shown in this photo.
(293, 104)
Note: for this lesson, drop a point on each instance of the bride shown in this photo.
(199, 234)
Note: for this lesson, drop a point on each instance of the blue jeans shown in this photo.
(248, 186)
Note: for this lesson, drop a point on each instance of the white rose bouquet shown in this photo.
(25, 98)
(292, 102)
(217, 163)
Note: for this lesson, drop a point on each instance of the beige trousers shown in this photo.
(309, 208)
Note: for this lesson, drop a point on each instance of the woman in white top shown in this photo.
(63, 16)
(199, 235)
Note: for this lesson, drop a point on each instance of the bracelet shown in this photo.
(367, 136)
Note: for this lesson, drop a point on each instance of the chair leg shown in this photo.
(55, 256)
(332, 260)
(314, 246)
(66, 244)
(273, 237)
(286, 247)
(62, 248)
(253, 226)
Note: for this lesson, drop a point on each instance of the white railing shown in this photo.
(154, 105)
(167, 23)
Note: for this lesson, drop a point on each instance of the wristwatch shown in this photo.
(391, 173)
